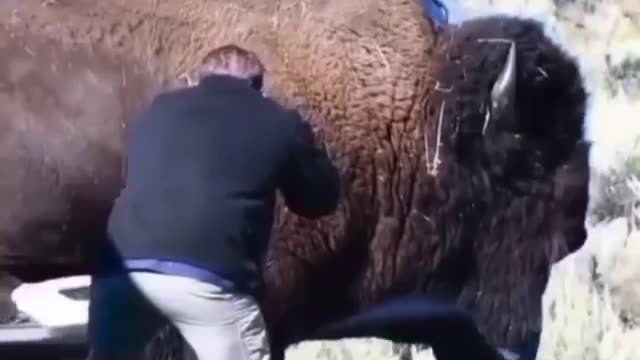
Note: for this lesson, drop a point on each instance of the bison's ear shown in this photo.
(502, 114)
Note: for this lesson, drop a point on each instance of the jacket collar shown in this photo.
(215, 83)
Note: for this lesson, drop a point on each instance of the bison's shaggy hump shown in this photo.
(519, 195)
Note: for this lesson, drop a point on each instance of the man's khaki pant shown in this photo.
(126, 311)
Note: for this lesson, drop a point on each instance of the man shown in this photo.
(193, 221)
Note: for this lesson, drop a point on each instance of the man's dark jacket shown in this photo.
(203, 167)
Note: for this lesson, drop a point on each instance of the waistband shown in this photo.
(186, 270)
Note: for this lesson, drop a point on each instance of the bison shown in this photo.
(460, 148)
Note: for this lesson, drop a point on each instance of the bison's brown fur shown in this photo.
(482, 226)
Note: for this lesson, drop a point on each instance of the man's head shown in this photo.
(230, 60)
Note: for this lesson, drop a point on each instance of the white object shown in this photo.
(57, 317)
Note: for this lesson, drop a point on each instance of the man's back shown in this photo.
(194, 219)
(203, 167)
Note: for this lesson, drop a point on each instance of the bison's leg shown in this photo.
(284, 292)
(8, 310)
(309, 276)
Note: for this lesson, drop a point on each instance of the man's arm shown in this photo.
(310, 183)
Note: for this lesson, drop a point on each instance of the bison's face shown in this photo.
(515, 103)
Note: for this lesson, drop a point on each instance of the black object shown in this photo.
(450, 331)
(44, 351)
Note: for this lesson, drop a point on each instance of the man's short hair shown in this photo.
(232, 60)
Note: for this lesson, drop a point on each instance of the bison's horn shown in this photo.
(503, 92)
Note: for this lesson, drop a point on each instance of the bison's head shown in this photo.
(504, 151)
(502, 84)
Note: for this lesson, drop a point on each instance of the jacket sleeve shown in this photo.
(310, 182)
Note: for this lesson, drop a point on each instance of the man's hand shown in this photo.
(188, 79)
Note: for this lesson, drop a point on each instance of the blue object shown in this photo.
(437, 11)
(228, 283)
